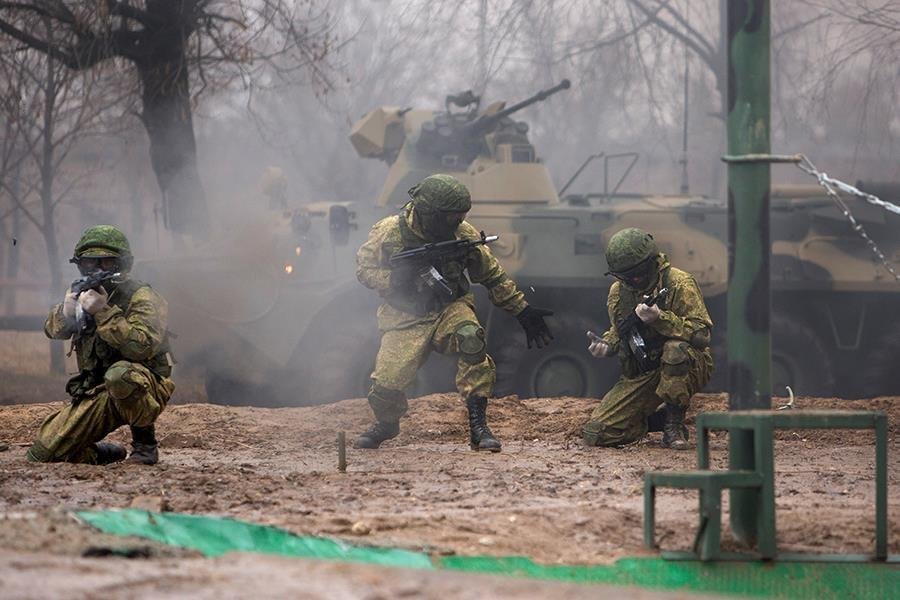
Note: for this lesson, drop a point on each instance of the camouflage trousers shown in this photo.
(621, 416)
(129, 395)
(454, 331)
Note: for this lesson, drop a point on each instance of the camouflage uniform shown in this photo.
(123, 378)
(414, 321)
(410, 333)
(678, 341)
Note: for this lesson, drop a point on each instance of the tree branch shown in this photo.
(694, 45)
(67, 58)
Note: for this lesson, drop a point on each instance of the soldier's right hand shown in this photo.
(598, 348)
(69, 303)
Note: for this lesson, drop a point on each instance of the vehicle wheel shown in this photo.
(564, 368)
(799, 359)
(881, 376)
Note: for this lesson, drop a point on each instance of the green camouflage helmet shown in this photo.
(628, 248)
(441, 192)
(103, 241)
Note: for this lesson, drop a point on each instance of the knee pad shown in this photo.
(470, 342)
(120, 381)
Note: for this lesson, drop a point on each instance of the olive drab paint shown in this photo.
(749, 246)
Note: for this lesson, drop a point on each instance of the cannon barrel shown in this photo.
(485, 123)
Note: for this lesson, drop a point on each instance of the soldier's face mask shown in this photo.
(438, 224)
(639, 277)
(454, 220)
(90, 264)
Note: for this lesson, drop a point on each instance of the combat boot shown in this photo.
(144, 447)
(675, 434)
(107, 453)
(656, 421)
(480, 436)
(381, 431)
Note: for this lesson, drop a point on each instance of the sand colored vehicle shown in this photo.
(314, 339)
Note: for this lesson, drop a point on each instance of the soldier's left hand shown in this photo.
(93, 301)
(647, 314)
(532, 321)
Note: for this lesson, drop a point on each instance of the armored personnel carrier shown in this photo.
(314, 338)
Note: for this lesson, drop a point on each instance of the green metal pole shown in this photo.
(749, 347)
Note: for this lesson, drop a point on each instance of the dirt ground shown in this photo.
(545, 496)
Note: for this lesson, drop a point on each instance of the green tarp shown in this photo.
(214, 536)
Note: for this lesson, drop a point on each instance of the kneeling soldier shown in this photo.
(416, 318)
(119, 337)
(676, 333)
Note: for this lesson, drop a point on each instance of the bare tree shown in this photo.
(165, 44)
(48, 110)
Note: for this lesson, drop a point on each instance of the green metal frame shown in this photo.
(761, 425)
(710, 484)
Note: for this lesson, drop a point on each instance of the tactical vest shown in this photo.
(95, 356)
(628, 301)
(454, 271)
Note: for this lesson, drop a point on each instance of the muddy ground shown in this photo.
(545, 496)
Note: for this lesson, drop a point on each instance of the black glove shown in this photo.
(532, 321)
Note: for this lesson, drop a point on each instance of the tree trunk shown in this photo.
(173, 150)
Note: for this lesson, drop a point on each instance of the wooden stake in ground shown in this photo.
(342, 452)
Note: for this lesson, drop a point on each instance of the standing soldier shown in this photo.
(119, 337)
(676, 331)
(414, 320)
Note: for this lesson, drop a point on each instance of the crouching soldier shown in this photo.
(118, 332)
(415, 318)
(676, 331)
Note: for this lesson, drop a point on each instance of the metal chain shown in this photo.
(827, 182)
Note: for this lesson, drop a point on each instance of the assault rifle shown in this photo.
(84, 321)
(629, 333)
(427, 257)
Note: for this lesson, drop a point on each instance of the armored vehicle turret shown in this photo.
(314, 338)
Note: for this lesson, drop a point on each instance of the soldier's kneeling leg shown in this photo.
(132, 391)
(674, 376)
(73, 433)
(684, 370)
(621, 416)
